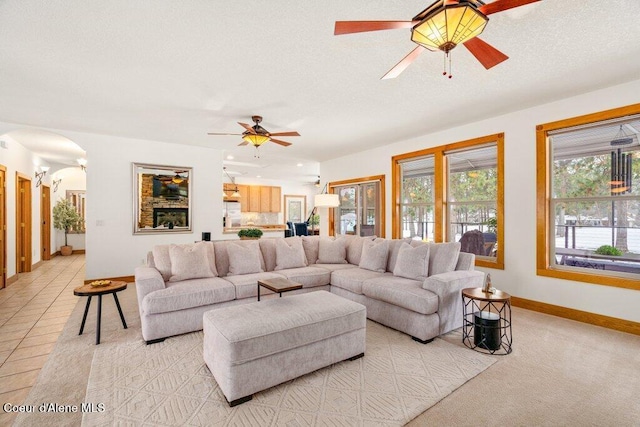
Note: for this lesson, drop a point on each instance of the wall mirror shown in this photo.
(161, 199)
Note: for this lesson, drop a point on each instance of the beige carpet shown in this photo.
(169, 384)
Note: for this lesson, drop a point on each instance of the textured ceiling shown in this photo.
(172, 71)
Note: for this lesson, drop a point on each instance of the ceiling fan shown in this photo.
(176, 179)
(256, 135)
(442, 26)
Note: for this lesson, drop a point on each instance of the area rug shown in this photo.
(168, 384)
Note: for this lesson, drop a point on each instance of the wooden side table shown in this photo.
(278, 285)
(91, 291)
(486, 323)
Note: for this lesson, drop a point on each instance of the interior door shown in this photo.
(3, 227)
(45, 222)
(23, 224)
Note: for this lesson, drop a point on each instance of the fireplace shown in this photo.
(170, 217)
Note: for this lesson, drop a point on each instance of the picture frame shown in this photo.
(295, 208)
(161, 199)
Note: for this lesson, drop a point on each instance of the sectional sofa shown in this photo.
(408, 285)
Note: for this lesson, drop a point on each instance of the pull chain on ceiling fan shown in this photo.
(443, 26)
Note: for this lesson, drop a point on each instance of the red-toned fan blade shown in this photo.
(402, 65)
(247, 127)
(212, 133)
(243, 143)
(283, 143)
(500, 5)
(293, 133)
(488, 55)
(349, 27)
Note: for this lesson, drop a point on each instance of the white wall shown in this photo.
(519, 276)
(16, 158)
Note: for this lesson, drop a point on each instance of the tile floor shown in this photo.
(33, 312)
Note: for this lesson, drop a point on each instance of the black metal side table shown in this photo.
(486, 323)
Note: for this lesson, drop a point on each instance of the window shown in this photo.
(589, 189)
(361, 210)
(453, 193)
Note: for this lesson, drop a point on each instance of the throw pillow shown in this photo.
(189, 262)
(290, 253)
(354, 248)
(443, 257)
(412, 262)
(162, 261)
(311, 245)
(244, 259)
(374, 255)
(332, 251)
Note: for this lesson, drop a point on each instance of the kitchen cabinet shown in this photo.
(256, 198)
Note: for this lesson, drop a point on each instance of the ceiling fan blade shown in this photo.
(243, 143)
(404, 63)
(292, 133)
(488, 55)
(247, 127)
(349, 27)
(450, 2)
(214, 133)
(283, 143)
(501, 5)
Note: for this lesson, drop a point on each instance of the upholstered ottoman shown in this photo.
(251, 347)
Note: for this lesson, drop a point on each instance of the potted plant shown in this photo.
(250, 233)
(65, 217)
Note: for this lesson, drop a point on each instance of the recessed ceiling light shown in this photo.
(230, 157)
(258, 176)
(299, 165)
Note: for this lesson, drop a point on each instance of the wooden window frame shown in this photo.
(440, 191)
(382, 196)
(543, 200)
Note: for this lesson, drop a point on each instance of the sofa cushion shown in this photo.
(190, 262)
(374, 255)
(352, 279)
(354, 248)
(247, 284)
(222, 255)
(394, 249)
(268, 250)
(308, 277)
(443, 257)
(405, 293)
(332, 251)
(412, 262)
(188, 294)
(334, 267)
(311, 245)
(244, 259)
(289, 253)
(162, 260)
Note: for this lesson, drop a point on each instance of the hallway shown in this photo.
(33, 312)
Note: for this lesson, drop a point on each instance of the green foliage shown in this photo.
(314, 220)
(492, 224)
(608, 250)
(254, 233)
(65, 217)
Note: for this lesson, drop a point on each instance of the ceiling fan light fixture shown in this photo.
(448, 26)
(255, 139)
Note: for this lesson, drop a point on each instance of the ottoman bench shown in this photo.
(251, 347)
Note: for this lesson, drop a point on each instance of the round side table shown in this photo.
(92, 291)
(486, 323)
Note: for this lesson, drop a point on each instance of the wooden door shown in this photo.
(45, 222)
(3, 227)
(23, 223)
